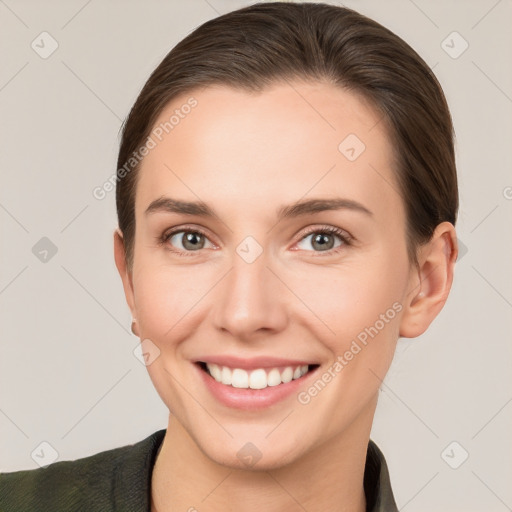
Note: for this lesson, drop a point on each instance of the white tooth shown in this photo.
(258, 379)
(287, 374)
(274, 377)
(215, 371)
(226, 376)
(240, 378)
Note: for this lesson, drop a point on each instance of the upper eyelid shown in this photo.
(332, 230)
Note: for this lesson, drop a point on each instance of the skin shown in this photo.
(246, 155)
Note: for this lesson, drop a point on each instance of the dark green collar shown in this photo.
(377, 485)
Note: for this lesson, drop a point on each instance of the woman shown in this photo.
(286, 196)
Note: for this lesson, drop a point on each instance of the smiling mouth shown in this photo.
(259, 378)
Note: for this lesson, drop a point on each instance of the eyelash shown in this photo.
(329, 230)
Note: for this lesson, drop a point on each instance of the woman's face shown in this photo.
(249, 280)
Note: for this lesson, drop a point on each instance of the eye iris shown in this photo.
(321, 239)
(191, 237)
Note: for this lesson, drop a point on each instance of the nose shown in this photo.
(251, 300)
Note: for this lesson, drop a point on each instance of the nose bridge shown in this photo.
(249, 300)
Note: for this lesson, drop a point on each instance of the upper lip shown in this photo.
(252, 363)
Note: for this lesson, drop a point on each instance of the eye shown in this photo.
(324, 239)
(183, 241)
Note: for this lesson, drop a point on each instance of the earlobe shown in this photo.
(135, 330)
(125, 274)
(431, 282)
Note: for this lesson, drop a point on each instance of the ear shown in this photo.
(126, 275)
(430, 283)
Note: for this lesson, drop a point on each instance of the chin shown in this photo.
(249, 457)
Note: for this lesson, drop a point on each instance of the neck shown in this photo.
(329, 477)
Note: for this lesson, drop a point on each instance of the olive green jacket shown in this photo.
(120, 480)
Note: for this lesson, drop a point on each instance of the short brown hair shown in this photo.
(265, 43)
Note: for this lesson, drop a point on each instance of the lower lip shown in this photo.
(248, 399)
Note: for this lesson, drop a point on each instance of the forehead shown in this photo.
(246, 149)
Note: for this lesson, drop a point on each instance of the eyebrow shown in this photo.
(303, 207)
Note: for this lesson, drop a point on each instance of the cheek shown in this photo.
(166, 299)
(359, 311)
(348, 300)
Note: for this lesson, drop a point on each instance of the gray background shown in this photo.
(68, 375)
